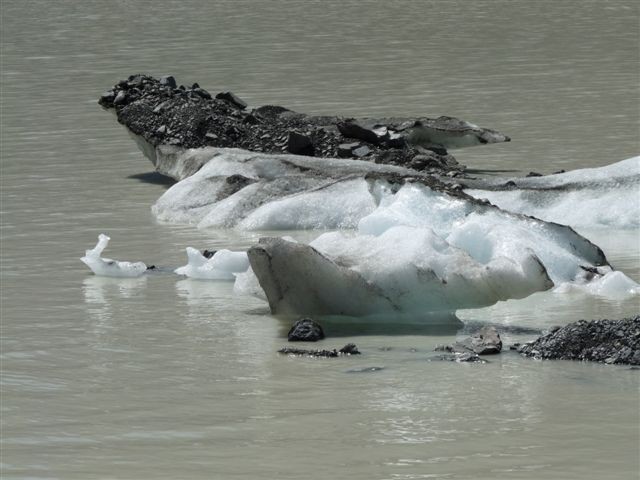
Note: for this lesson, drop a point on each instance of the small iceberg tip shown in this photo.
(107, 267)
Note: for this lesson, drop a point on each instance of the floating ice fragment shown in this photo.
(224, 265)
(603, 282)
(110, 268)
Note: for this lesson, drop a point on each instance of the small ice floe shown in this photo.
(110, 268)
(602, 282)
(224, 265)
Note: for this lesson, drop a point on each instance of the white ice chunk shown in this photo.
(338, 205)
(605, 197)
(605, 283)
(485, 233)
(107, 267)
(222, 266)
(421, 251)
(418, 271)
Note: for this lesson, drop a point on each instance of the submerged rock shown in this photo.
(305, 330)
(484, 342)
(605, 341)
(348, 349)
(463, 356)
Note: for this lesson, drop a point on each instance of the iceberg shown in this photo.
(603, 282)
(224, 265)
(421, 251)
(605, 197)
(107, 267)
(252, 191)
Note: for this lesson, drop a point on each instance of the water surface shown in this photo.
(170, 378)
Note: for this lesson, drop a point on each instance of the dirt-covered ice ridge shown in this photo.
(605, 197)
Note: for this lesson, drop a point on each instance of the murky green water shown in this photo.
(170, 378)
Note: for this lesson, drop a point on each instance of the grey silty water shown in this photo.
(170, 378)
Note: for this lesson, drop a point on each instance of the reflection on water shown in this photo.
(95, 287)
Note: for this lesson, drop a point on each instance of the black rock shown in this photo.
(107, 97)
(202, 92)
(351, 129)
(168, 81)
(422, 161)
(440, 150)
(349, 349)
(305, 330)
(270, 111)
(233, 99)
(251, 119)
(208, 253)
(605, 341)
(120, 98)
(299, 144)
(345, 150)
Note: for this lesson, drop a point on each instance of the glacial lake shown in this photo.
(164, 377)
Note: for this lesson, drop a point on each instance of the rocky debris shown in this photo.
(352, 129)
(605, 341)
(348, 349)
(163, 114)
(486, 341)
(168, 81)
(300, 144)
(232, 99)
(305, 330)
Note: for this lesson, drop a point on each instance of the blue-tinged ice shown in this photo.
(224, 265)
